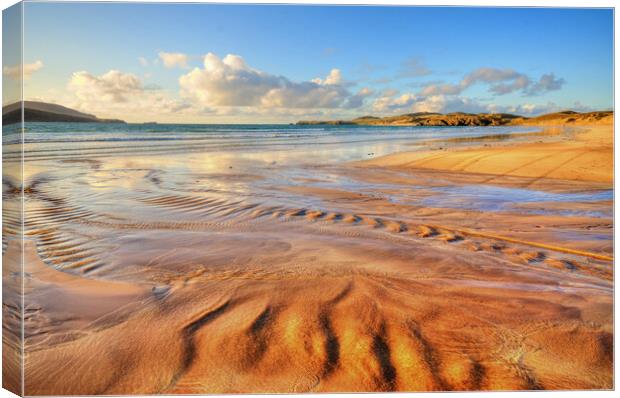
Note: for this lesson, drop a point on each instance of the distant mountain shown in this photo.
(35, 111)
(472, 119)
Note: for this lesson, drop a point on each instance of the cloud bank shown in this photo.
(500, 82)
(449, 97)
(230, 89)
(118, 93)
(231, 82)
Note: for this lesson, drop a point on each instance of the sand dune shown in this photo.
(569, 118)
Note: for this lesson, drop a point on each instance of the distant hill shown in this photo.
(35, 111)
(569, 117)
(472, 119)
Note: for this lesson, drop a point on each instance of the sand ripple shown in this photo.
(142, 281)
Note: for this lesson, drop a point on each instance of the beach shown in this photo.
(585, 156)
(257, 259)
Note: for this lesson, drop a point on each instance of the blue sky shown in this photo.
(387, 60)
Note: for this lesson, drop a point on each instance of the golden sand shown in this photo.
(587, 156)
(359, 293)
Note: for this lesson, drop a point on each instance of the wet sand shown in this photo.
(242, 275)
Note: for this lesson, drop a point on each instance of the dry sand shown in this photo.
(587, 156)
(358, 294)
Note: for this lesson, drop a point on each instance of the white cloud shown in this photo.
(334, 77)
(174, 60)
(446, 104)
(225, 89)
(409, 103)
(29, 69)
(446, 97)
(227, 82)
(305, 95)
(228, 89)
(530, 109)
(113, 86)
(390, 102)
(15, 71)
(118, 94)
(395, 103)
(231, 82)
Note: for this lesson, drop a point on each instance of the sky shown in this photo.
(279, 64)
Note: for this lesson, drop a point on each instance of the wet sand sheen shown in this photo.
(160, 280)
(400, 322)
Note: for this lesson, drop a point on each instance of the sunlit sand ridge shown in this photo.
(268, 272)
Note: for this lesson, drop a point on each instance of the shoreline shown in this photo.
(588, 158)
